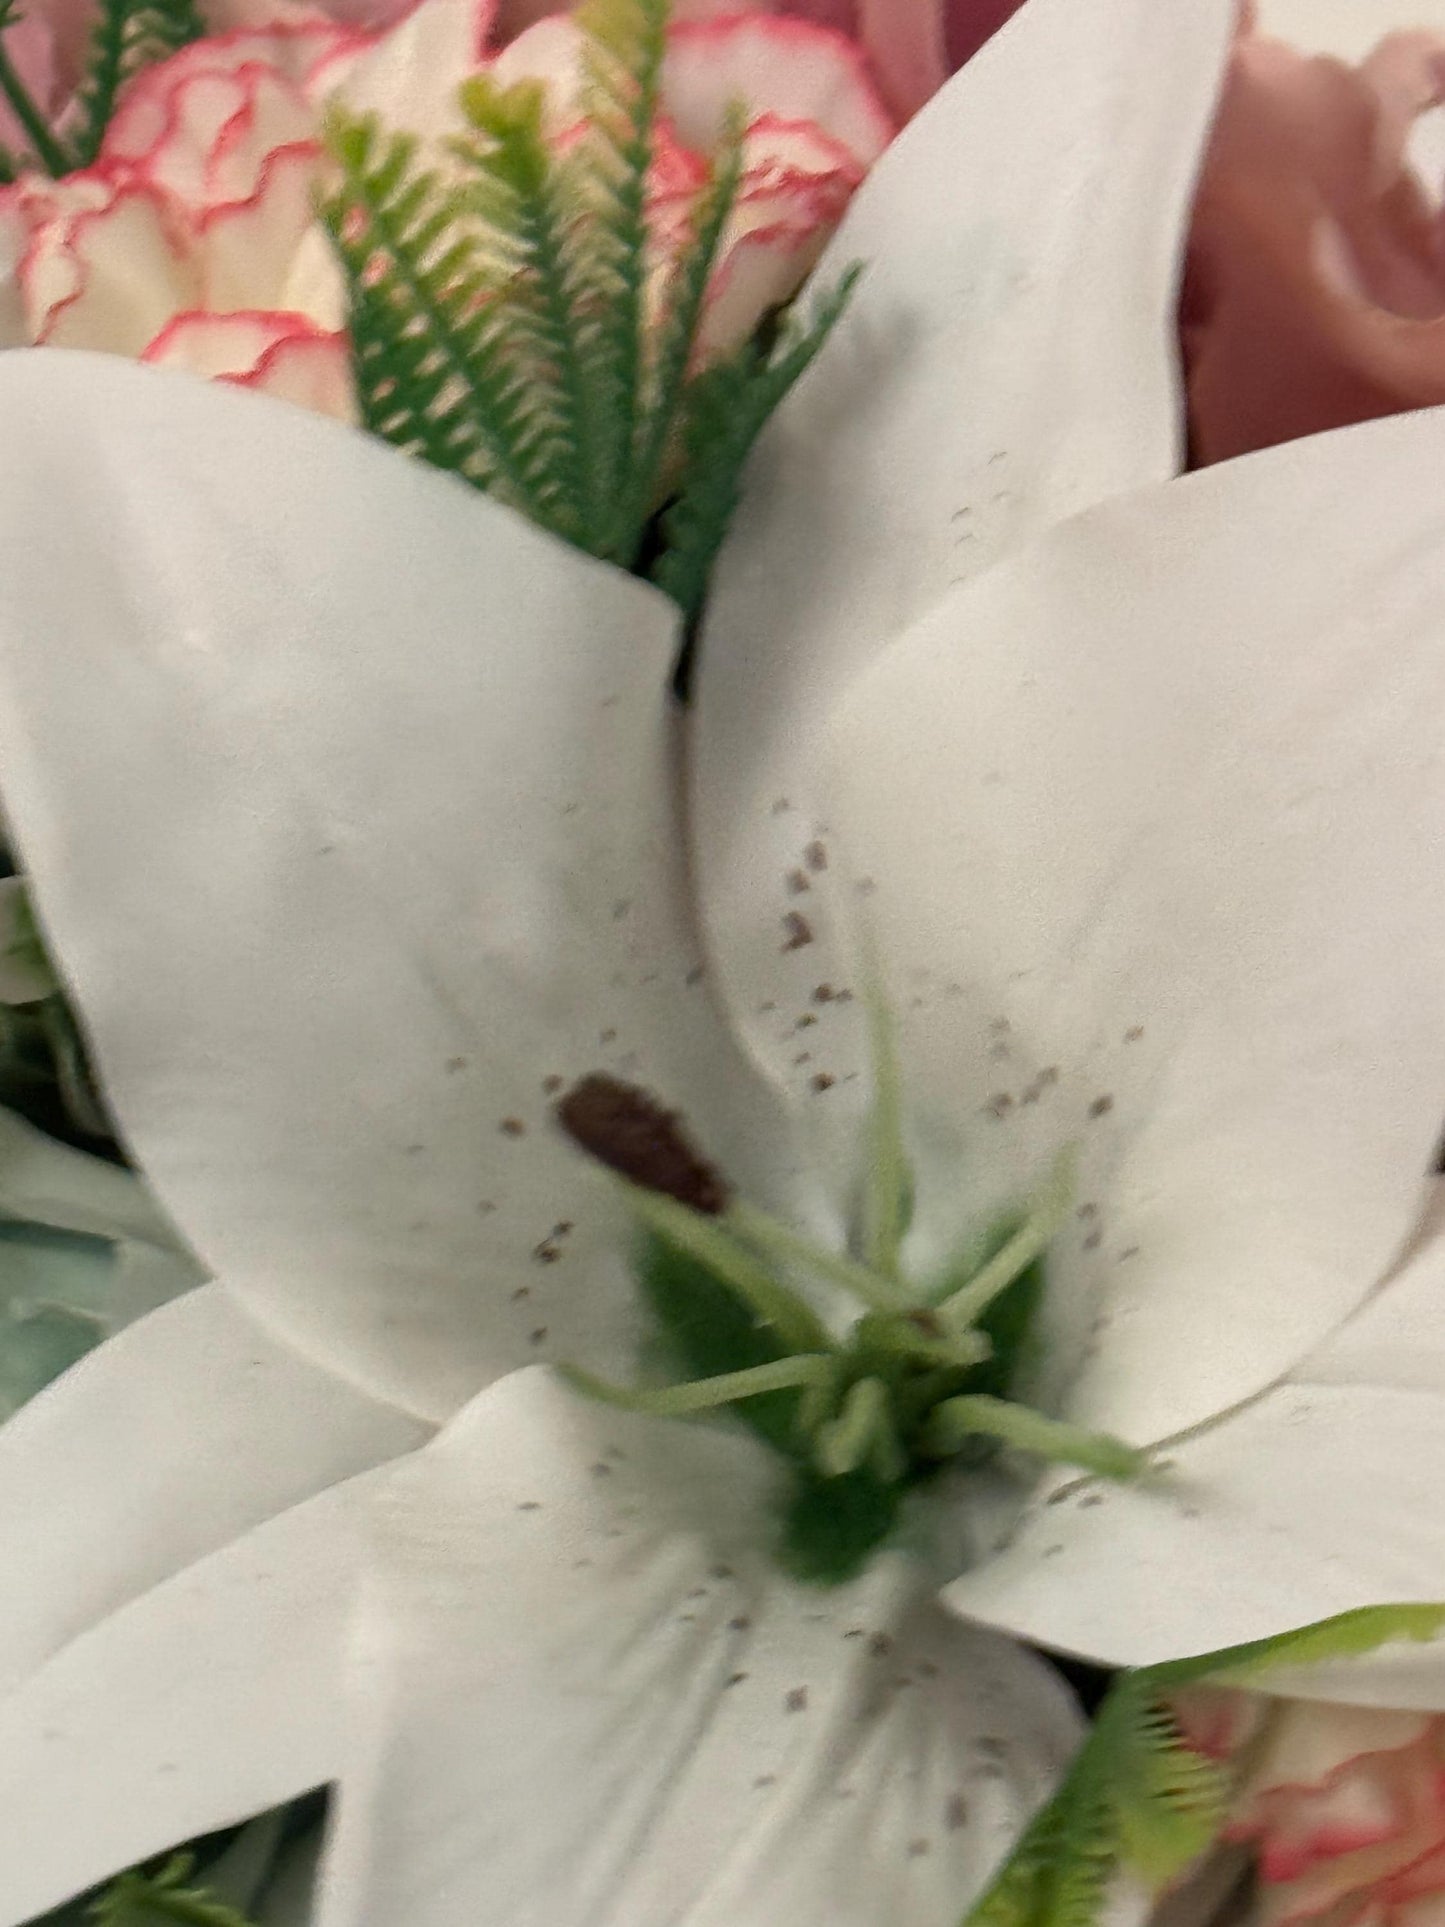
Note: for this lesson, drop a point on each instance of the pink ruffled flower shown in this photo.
(1315, 293)
(815, 125)
(912, 46)
(192, 242)
(1344, 1806)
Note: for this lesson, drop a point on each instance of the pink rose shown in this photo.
(1315, 291)
(1344, 1806)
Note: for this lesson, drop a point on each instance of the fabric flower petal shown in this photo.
(1140, 818)
(284, 355)
(587, 1696)
(211, 1697)
(786, 68)
(1320, 1496)
(1008, 358)
(192, 1421)
(396, 769)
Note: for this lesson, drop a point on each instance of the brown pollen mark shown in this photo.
(625, 1128)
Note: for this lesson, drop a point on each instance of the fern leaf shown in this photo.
(683, 304)
(517, 194)
(624, 43)
(128, 35)
(147, 1900)
(728, 407)
(1346, 1636)
(46, 150)
(441, 368)
(1169, 1801)
(1058, 1873)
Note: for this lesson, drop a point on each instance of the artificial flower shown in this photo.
(192, 241)
(1125, 791)
(1340, 1806)
(1315, 294)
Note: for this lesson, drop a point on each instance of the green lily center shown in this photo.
(922, 1376)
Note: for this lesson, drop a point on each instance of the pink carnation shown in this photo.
(192, 241)
(1315, 293)
(1344, 1806)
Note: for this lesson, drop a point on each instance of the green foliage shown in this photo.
(726, 410)
(512, 324)
(139, 1899)
(829, 1526)
(127, 36)
(1137, 1798)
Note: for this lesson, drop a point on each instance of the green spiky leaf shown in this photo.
(502, 323)
(149, 1899)
(728, 408)
(1137, 1797)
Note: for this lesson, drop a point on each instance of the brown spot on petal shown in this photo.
(800, 931)
(625, 1128)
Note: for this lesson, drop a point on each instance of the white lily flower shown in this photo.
(353, 810)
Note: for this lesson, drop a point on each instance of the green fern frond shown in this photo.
(46, 150)
(145, 1900)
(128, 35)
(624, 43)
(1168, 1800)
(1138, 1797)
(1346, 1636)
(443, 370)
(522, 200)
(683, 303)
(728, 407)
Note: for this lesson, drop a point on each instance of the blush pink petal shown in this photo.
(1315, 291)
(796, 184)
(280, 354)
(1344, 1806)
(789, 68)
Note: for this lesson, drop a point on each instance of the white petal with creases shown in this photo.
(156, 1449)
(1319, 1497)
(1145, 814)
(588, 1698)
(1009, 359)
(347, 796)
(213, 1697)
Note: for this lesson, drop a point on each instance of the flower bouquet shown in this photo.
(722, 1040)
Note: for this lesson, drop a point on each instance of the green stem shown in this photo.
(48, 150)
(702, 1394)
(733, 1265)
(862, 1433)
(956, 1420)
(963, 1307)
(886, 1185)
(784, 1246)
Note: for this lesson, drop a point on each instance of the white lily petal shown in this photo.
(347, 797)
(209, 1699)
(591, 1700)
(1009, 359)
(1319, 1497)
(155, 1450)
(1144, 814)
(54, 1184)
